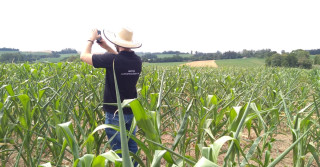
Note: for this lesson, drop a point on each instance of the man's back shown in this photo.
(127, 67)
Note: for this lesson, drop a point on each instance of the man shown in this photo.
(127, 67)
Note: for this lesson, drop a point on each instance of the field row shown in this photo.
(51, 113)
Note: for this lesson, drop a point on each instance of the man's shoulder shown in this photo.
(104, 54)
(103, 60)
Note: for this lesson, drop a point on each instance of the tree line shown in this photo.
(9, 49)
(10, 55)
(65, 51)
(297, 58)
(18, 57)
(197, 56)
(314, 51)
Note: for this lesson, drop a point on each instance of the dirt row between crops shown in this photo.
(205, 63)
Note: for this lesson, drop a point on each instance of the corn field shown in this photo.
(51, 115)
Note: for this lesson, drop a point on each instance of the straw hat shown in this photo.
(123, 38)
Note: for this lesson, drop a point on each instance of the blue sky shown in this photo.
(203, 25)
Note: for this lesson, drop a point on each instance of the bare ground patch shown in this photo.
(206, 63)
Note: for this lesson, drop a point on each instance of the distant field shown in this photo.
(1, 52)
(36, 53)
(313, 56)
(164, 64)
(23, 52)
(249, 62)
(55, 60)
(171, 55)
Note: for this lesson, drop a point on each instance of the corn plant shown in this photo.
(51, 115)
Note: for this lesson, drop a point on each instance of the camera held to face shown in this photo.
(99, 39)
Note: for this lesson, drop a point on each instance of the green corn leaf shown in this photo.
(9, 89)
(251, 150)
(137, 159)
(258, 113)
(204, 162)
(212, 99)
(216, 146)
(183, 127)
(153, 101)
(99, 161)
(159, 101)
(76, 162)
(267, 158)
(1, 112)
(235, 123)
(317, 110)
(314, 153)
(90, 139)
(207, 128)
(89, 142)
(220, 116)
(233, 114)
(144, 90)
(67, 130)
(25, 100)
(139, 143)
(172, 152)
(281, 156)
(41, 93)
(123, 133)
(156, 162)
(119, 163)
(64, 146)
(110, 156)
(206, 152)
(144, 121)
(86, 160)
(310, 162)
(100, 127)
(126, 102)
(239, 124)
(287, 112)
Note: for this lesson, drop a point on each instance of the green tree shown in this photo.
(268, 61)
(276, 60)
(303, 57)
(292, 60)
(317, 59)
(284, 60)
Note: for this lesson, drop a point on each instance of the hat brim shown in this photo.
(112, 37)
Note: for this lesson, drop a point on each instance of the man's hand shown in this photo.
(94, 35)
(86, 55)
(103, 43)
(105, 46)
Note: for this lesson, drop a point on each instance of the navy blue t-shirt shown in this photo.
(127, 67)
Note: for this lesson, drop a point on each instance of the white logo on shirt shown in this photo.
(130, 72)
